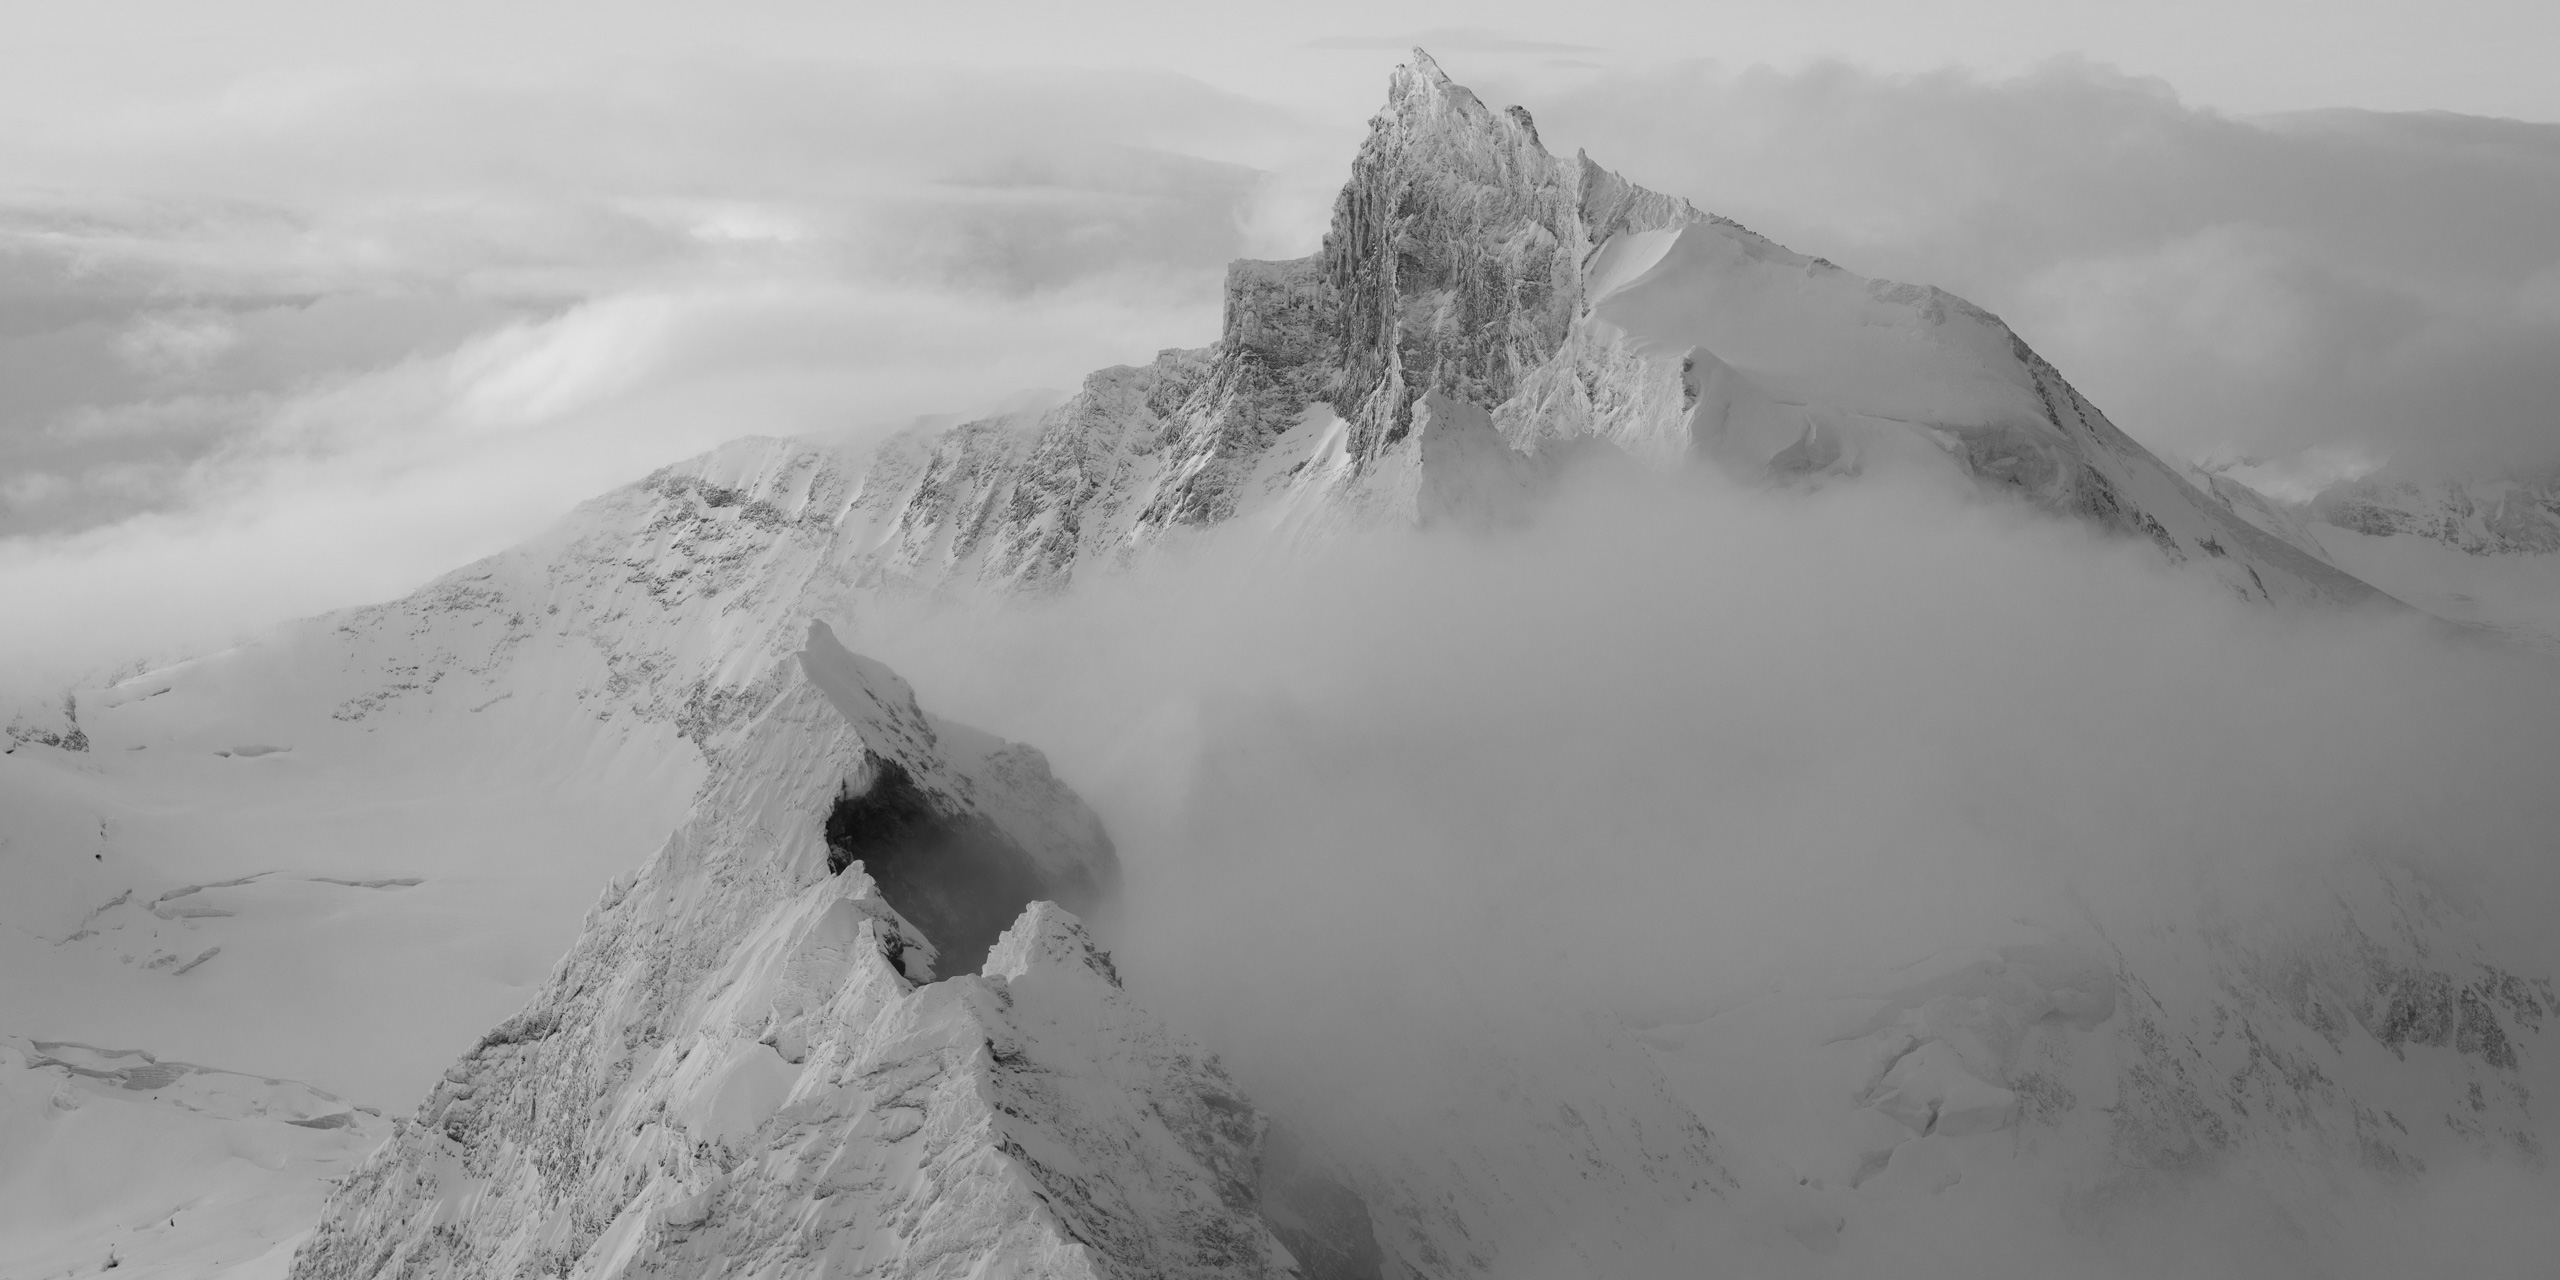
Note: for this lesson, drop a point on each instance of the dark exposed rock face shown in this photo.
(1272, 361)
(2423, 1006)
(953, 874)
(67, 734)
(1451, 255)
(1456, 252)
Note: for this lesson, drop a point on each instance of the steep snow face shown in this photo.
(157, 1168)
(746, 1067)
(1714, 343)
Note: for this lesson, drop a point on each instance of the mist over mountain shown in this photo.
(364, 325)
(1570, 738)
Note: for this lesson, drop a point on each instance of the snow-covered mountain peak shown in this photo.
(1455, 254)
(1569, 305)
(1423, 101)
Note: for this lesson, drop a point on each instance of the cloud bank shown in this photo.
(316, 342)
(1429, 803)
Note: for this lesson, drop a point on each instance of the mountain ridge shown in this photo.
(1574, 309)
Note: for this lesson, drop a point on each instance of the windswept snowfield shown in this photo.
(1572, 740)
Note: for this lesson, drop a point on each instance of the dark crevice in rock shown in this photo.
(954, 875)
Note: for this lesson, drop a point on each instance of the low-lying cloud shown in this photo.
(1423, 804)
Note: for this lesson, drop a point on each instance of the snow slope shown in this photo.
(165, 1168)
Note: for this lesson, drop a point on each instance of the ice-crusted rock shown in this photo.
(744, 1067)
(56, 725)
(1456, 253)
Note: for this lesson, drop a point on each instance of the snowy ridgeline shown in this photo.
(745, 1064)
(343, 849)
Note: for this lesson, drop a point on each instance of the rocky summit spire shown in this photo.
(1453, 265)
(1448, 255)
(1455, 254)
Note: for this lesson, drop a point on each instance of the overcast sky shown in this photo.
(301, 304)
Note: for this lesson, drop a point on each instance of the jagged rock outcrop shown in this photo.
(1455, 260)
(747, 1067)
(49, 726)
